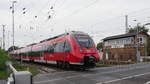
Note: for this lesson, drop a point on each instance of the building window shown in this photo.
(140, 40)
(106, 43)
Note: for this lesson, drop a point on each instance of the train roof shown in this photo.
(31, 44)
(77, 32)
(68, 33)
(51, 38)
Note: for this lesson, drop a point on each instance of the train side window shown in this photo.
(56, 48)
(45, 48)
(50, 48)
(59, 47)
(67, 47)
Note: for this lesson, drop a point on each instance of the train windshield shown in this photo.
(84, 41)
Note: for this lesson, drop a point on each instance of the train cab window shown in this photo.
(84, 41)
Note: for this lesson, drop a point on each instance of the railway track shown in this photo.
(44, 68)
(50, 68)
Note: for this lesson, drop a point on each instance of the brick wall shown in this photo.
(123, 54)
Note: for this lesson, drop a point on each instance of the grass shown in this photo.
(103, 65)
(4, 57)
(22, 67)
(109, 63)
(5, 72)
(34, 70)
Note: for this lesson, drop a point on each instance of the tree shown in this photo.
(12, 47)
(3, 58)
(140, 28)
(148, 46)
(100, 45)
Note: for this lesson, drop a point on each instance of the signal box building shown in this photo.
(124, 47)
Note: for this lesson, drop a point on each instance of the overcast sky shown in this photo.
(98, 18)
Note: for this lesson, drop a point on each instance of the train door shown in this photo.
(42, 54)
(67, 50)
(59, 51)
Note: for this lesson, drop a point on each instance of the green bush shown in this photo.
(148, 51)
(3, 58)
(24, 67)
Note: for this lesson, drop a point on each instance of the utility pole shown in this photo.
(137, 42)
(146, 42)
(0, 43)
(137, 48)
(13, 22)
(3, 36)
(8, 38)
(126, 23)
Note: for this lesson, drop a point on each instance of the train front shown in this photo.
(86, 51)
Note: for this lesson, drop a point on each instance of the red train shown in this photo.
(73, 48)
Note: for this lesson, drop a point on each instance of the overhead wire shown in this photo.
(134, 12)
(112, 19)
(37, 13)
(115, 18)
(76, 12)
(42, 9)
(50, 13)
(30, 9)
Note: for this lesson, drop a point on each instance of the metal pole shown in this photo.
(137, 48)
(146, 42)
(0, 43)
(126, 23)
(13, 24)
(4, 36)
(146, 39)
(8, 38)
